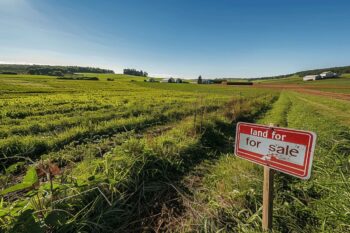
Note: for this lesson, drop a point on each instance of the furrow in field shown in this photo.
(46, 127)
(35, 146)
(147, 171)
(18, 113)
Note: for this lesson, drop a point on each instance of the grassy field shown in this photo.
(230, 195)
(118, 154)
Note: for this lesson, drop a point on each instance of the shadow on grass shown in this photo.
(160, 193)
(151, 198)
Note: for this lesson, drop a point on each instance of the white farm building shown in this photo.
(328, 74)
(323, 75)
(311, 77)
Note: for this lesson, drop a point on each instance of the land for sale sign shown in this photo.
(286, 150)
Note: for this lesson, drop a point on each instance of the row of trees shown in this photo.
(62, 70)
(135, 72)
(50, 70)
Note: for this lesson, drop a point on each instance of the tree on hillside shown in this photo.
(199, 81)
(135, 72)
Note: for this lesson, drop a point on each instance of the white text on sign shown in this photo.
(286, 150)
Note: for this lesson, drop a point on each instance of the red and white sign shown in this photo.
(286, 150)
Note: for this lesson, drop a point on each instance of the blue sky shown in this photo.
(181, 38)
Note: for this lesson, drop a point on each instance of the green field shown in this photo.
(119, 154)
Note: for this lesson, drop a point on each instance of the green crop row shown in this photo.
(138, 176)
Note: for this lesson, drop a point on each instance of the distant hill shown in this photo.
(49, 70)
(339, 70)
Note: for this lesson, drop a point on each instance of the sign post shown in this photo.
(267, 198)
(286, 150)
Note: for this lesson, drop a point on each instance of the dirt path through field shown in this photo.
(309, 90)
(324, 93)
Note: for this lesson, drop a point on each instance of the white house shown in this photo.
(327, 74)
(311, 77)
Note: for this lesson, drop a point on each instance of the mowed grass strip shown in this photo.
(230, 196)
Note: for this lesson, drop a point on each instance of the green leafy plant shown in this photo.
(28, 182)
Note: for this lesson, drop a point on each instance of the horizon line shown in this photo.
(155, 75)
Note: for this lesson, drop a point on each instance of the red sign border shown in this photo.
(309, 156)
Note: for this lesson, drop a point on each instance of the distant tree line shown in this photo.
(338, 70)
(20, 69)
(135, 72)
(50, 70)
(62, 70)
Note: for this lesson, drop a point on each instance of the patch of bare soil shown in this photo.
(309, 90)
(341, 96)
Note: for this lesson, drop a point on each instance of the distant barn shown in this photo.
(328, 74)
(311, 77)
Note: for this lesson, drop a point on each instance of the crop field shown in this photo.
(117, 154)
